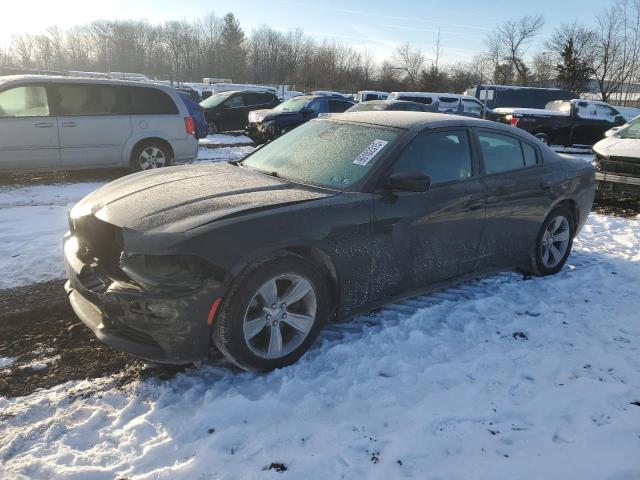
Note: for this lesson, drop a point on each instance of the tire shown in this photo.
(550, 255)
(254, 335)
(544, 138)
(212, 127)
(149, 155)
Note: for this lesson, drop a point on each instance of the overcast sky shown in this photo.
(378, 25)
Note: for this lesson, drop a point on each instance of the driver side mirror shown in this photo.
(408, 182)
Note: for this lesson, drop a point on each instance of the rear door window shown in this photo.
(79, 99)
(235, 101)
(26, 101)
(423, 100)
(257, 99)
(502, 153)
(443, 156)
(150, 101)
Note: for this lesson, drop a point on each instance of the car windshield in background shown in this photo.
(324, 152)
(631, 131)
(367, 107)
(292, 105)
(214, 100)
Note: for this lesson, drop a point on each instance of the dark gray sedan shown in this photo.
(336, 217)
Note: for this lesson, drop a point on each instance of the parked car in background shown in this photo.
(267, 124)
(617, 162)
(190, 92)
(496, 96)
(367, 95)
(447, 103)
(335, 218)
(229, 110)
(49, 123)
(197, 113)
(389, 105)
(565, 122)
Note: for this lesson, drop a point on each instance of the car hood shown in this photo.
(260, 116)
(618, 147)
(179, 199)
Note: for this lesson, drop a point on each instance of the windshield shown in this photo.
(214, 100)
(632, 130)
(368, 107)
(292, 105)
(324, 152)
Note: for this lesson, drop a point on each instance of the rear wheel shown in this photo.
(149, 155)
(272, 313)
(554, 241)
(544, 138)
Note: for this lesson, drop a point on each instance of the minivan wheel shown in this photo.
(212, 127)
(554, 241)
(272, 313)
(150, 155)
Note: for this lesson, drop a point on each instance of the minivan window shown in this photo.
(89, 100)
(338, 106)
(151, 101)
(423, 100)
(443, 156)
(501, 153)
(27, 101)
(448, 104)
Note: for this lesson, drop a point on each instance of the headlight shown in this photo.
(166, 272)
(254, 117)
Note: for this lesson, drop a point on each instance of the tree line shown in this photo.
(603, 57)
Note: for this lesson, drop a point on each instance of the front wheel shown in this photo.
(554, 241)
(272, 313)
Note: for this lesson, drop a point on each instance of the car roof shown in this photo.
(432, 94)
(70, 79)
(411, 120)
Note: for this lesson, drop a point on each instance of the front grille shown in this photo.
(618, 165)
(99, 242)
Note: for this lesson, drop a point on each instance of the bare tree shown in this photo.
(411, 61)
(511, 39)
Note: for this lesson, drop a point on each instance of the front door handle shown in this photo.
(545, 185)
(70, 124)
(44, 125)
(474, 204)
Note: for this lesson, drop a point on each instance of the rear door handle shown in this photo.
(44, 125)
(474, 204)
(70, 124)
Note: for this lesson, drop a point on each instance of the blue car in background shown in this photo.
(265, 125)
(197, 113)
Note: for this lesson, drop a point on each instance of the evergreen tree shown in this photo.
(573, 72)
(232, 53)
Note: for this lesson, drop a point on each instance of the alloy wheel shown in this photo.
(280, 316)
(151, 157)
(555, 241)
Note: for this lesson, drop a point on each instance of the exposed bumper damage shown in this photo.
(162, 327)
(618, 176)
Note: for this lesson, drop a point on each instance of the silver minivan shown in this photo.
(64, 123)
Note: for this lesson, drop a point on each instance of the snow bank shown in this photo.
(225, 140)
(500, 378)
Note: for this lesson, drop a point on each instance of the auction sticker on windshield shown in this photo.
(371, 151)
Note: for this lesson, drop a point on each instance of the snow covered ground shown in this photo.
(33, 220)
(225, 139)
(500, 378)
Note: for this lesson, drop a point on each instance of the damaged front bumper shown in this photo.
(160, 327)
